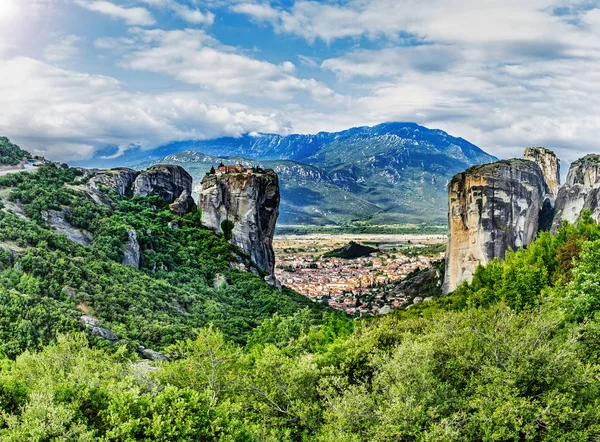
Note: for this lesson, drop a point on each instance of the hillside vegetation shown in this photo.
(10, 154)
(47, 281)
(512, 356)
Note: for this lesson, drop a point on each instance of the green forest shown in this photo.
(512, 356)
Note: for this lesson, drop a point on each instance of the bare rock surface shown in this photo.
(492, 208)
(166, 181)
(119, 180)
(93, 326)
(131, 252)
(550, 165)
(57, 219)
(581, 191)
(251, 200)
(172, 183)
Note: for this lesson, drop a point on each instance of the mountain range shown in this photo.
(392, 173)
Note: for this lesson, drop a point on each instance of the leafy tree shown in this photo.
(227, 228)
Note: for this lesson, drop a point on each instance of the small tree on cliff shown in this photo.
(227, 228)
(212, 170)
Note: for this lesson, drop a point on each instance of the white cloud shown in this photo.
(67, 115)
(193, 57)
(190, 15)
(132, 16)
(258, 11)
(64, 49)
(433, 20)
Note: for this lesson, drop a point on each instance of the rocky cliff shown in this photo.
(491, 208)
(581, 191)
(550, 165)
(251, 201)
(172, 183)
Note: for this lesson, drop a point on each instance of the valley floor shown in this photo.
(357, 286)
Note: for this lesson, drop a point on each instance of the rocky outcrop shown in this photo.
(57, 219)
(118, 180)
(166, 181)
(184, 204)
(131, 251)
(491, 208)
(93, 326)
(249, 199)
(172, 183)
(151, 355)
(550, 165)
(581, 191)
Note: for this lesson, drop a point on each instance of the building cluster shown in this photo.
(358, 286)
(237, 168)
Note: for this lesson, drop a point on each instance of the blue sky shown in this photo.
(79, 75)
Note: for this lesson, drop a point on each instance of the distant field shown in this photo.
(318, 244)
(362, 229)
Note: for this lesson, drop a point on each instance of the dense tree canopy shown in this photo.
(10, 154)
(511, 356)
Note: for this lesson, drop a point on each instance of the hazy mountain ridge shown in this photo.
(385, 174)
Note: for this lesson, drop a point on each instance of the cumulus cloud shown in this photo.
(502, 73)
(190, 15)
(68, 115)
(192, 56)
(64, 49)
(471, 21)
(132, 16)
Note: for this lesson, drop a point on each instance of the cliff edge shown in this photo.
(250, 199)
(491, 208)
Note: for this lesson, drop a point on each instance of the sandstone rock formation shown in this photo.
(491, 208)
(118, 180)
(172, 183)
(166, 181)
(550, 165)
(251, 200)
(581, 191)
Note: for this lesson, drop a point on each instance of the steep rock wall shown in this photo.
(166, 181)
(491, 208)
(550, 165)
(251, 201)
(581, 191)
(172, 183)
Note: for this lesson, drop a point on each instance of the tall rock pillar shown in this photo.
(491, 207)
(581, 191)
(250, 199)
(550, 165)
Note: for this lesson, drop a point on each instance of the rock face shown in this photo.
(172, 183)
(57, 219)
(93, 326)
(580, 192)
(131, 251)
(166, 181)
(550, 165)
(491, 208)
(119, 180)
(249, 199)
